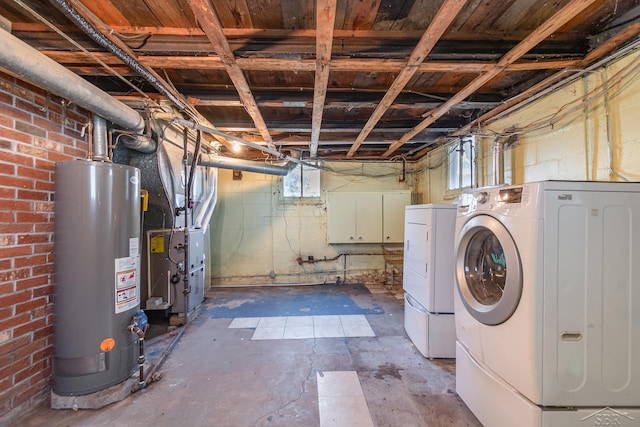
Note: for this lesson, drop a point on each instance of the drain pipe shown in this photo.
(498, 162)
(26, 63)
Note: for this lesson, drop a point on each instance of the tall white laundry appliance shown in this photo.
(428, 278)
(548, 304)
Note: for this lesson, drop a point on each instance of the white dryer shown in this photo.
(547, 308)
(428, 278)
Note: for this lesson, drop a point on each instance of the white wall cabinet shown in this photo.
(366, 217)
(393, 205)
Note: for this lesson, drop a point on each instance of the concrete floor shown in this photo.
(219, 376)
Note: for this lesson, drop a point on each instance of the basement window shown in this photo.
(302, 181)
(461, 172)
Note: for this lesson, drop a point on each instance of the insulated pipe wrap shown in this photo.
(28, 64)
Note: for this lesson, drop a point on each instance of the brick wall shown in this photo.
(36, 131)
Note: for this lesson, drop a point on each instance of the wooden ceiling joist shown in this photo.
(325, 21)
(211, 26)
(308, 65)
(443, 19)
(563, 16)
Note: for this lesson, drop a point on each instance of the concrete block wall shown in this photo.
(595, 140)
(259, 237)
(36, 131)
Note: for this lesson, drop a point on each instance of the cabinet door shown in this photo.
(341, 218)
(393, 205)
(368, 217)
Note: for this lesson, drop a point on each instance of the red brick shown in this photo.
(15, 228)
(45, 164)
(23, 396)
(5, 264)
(15, 251)
(12, 158)
(29, 348)
(29, 371)
(31, 282)
(8, 84)
(12, 322)
(33, 173)
(6, 98)
(44, 228)
(41, 270)
(11, 111)
(16, 136)
(33, 195)
(31, 217)
(4, 215)
(31, 150)
(5, 384)
(11, 275)
(75, 152)
(63, 139)
(30, 107)
(6, 288)
(45, 353)
(7, 169)
(29, 306)
(27, 239)
(7, 193)
(57, 157)
(43, 332)
(7, 240)
(16, 205)
(30, 261)
(15, 298)
(34, 91)
(27, 328)
(30, 129)
(12, 181)
(40, 380)
(42, 291)
(43, 249)
(43, 206)
(46, 124)
(9, 346)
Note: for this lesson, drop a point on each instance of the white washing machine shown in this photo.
(547, 308)
(428, 279)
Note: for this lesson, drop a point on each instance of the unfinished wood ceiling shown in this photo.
(335, 79)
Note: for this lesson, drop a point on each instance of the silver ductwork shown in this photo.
(246, 165)
(498, 161)
(100, 149)
(26, 63)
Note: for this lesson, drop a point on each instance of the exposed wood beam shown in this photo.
(443, 19)
(296, 65)
(539, 34)
(603, 49)
(105, 31)
(268, 33)
(285, 103)
(211, 26)
(325, 22)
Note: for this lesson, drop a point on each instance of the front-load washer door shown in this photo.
(488, 270)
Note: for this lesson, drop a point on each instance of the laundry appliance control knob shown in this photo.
(483, 197)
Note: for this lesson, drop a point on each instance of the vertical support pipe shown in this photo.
(100, 144)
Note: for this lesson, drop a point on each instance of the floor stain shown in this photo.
(388, 370)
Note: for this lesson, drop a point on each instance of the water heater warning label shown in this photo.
(127, 284)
